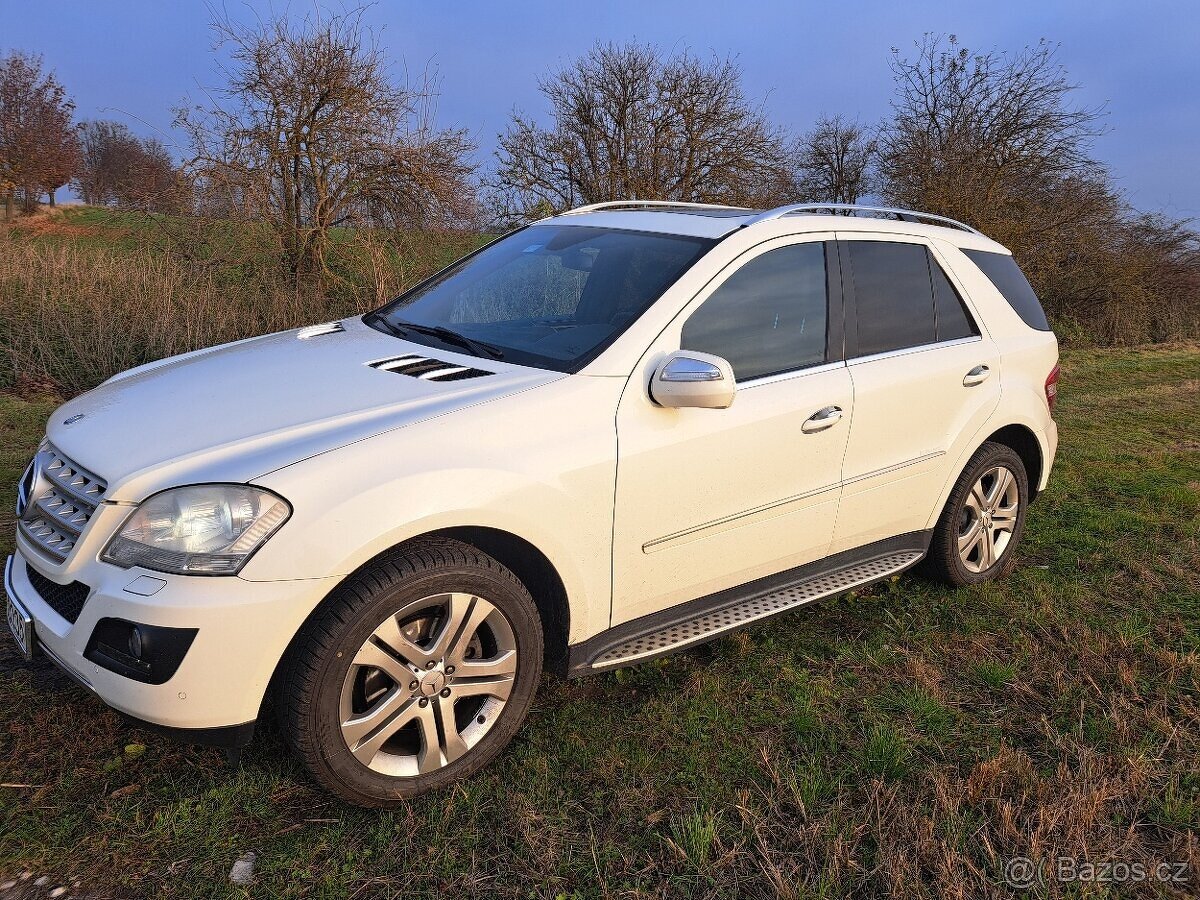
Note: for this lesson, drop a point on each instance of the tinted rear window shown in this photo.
(892, 295)
(1001, 270)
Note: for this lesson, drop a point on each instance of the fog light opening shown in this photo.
(146, 653)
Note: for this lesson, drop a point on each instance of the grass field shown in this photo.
(906, 741)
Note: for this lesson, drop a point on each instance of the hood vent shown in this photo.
(313, 331)
(427, 369)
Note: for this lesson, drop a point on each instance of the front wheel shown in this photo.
(983, 519)
(417, 672)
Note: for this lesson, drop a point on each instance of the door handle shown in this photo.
(977, 375)
(822, 419)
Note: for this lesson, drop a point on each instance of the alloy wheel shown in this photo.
(428, 684)
(988, 519)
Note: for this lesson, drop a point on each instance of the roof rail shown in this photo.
(648, 204)
(904, 215)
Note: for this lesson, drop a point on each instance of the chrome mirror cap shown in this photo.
(688, 378)
(688, 368)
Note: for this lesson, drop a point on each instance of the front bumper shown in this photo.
(243, 630)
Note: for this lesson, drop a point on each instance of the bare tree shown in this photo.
(152, 181)
(995, 140)
(631, 123)
(106, 150)
(118, 167)
(38, 144)
(975, 136)
(310, 133)
(833, 161)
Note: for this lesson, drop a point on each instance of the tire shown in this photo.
(481, 674)
(973, 516)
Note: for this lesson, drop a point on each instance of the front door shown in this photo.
(708, 499)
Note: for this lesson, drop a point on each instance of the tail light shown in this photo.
(1052, 387)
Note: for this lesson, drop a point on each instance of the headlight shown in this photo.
(205, 529)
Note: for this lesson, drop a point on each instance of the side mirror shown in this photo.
(688, 378)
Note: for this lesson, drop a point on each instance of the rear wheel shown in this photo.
(416, 673)
(983, 519)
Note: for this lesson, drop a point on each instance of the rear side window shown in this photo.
(768, 317)
(1001, 270)
(892, 296)
(953, 320)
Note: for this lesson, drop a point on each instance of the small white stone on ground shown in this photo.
(45, 879)
(242, 873)
(58, 892)
(7, 885)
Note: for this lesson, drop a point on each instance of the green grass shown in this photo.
(903, 741)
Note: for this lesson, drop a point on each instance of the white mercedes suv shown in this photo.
(601, 438)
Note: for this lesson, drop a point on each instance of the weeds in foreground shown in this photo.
(79, 307)
(907, 742)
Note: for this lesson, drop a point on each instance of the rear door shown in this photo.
(926, 377)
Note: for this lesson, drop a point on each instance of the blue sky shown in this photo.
(134, 60)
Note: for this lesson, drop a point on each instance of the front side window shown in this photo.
(552, 296)
(892, 296)
(769, 316)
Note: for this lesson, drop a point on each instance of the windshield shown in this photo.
(552, 296)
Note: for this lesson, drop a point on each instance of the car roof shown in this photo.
(718, 221)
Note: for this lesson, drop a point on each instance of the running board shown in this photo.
(710, 617)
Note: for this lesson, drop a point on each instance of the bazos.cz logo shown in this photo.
(1022, 873)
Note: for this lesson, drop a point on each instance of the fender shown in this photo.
(546, 475)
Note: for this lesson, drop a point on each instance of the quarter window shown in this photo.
(769, 316)
(953, 320)
(1002, 271)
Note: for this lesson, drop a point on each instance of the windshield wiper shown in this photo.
(373, 318)
(449, 335)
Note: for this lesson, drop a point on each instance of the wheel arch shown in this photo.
(1019, 436)
(531, 566)
(1025, 444)
(535, 571)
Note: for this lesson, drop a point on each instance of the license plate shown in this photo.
(21, 627)
(19, 622)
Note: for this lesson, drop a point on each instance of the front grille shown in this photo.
(61, 498)
(65, 599)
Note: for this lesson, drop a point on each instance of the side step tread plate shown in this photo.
(744, 611)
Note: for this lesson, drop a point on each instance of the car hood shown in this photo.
(238, 411)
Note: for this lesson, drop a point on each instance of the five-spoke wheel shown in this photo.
(982, 521)
(988, 518)
(428, 684)
(416, 672)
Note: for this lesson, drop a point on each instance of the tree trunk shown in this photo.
(28, 201)
(10, 204)
(52, 197)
